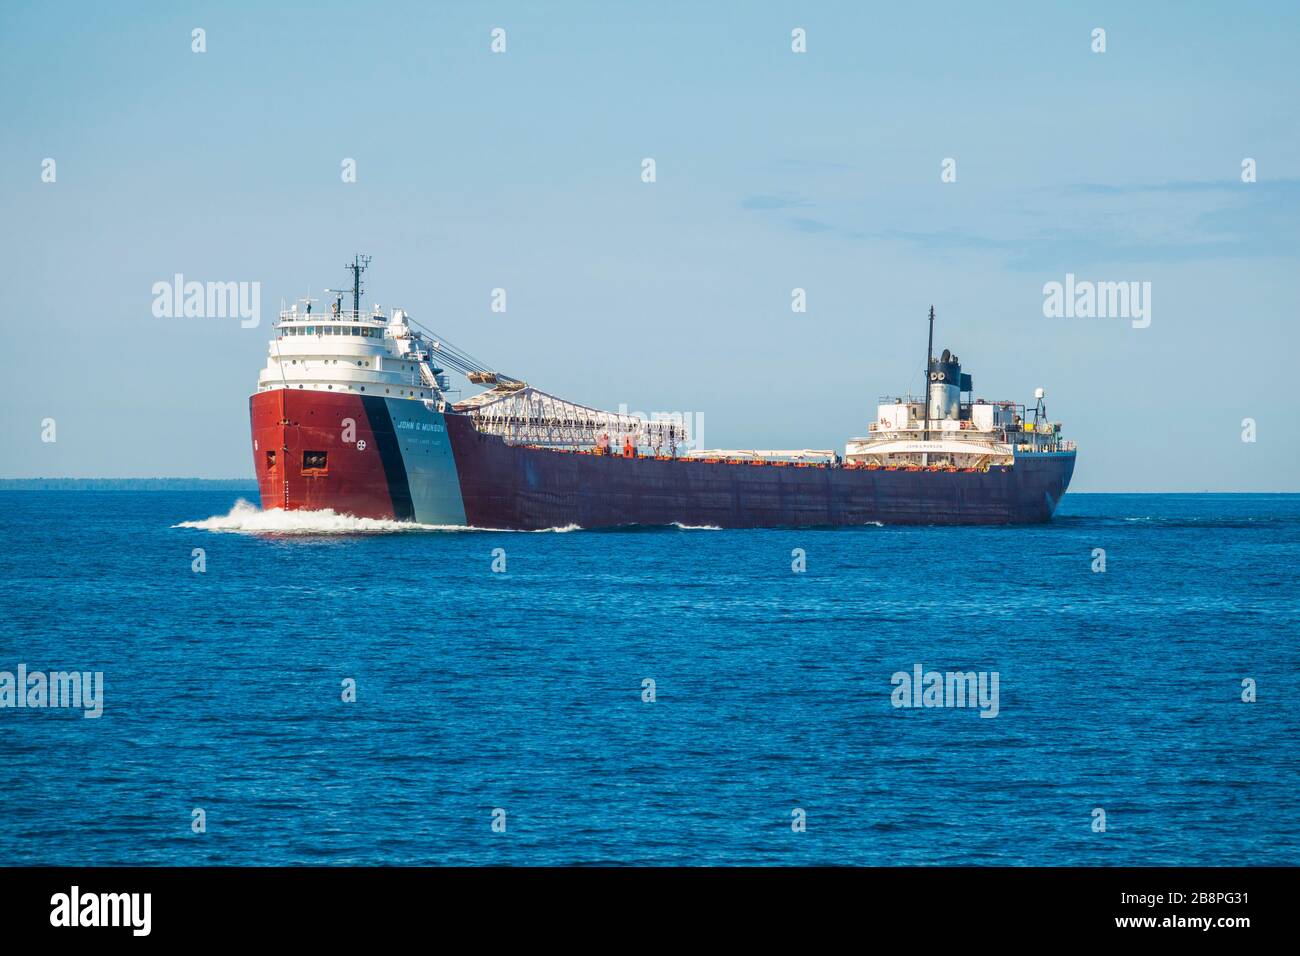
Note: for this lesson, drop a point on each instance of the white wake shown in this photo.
(245, 518)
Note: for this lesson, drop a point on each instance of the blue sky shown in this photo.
(775, 170)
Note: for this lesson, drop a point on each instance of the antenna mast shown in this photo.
(356, 267)
(925, 377)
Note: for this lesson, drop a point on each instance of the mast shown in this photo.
(356, 267)
(925, 377)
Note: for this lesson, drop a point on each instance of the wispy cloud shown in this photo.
(804, 224)
(773, 202)
(1071, 227)
(1184, 186)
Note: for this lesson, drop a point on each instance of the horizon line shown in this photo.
(252, 483)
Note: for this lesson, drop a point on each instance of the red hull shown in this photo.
(290, 424)
(505, 486)
(402, 459)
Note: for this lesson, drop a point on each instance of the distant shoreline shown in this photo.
(128, 484)
(250, 485)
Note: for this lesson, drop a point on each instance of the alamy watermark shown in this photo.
(75, 908)
(922, 688)
(1084, 299)
(208, 300)
(37, 689)
(686, 429)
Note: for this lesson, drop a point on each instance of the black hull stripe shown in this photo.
(390, 454)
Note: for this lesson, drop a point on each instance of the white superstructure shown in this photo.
(371, 354)
(949, 428)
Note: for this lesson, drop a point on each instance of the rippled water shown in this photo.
(523, 690)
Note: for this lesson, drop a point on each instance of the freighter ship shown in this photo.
(354, 412)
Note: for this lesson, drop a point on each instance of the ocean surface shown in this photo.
(518, 695)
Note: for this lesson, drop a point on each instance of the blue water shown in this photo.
(522, 690)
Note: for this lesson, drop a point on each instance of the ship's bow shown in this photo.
(366, 456)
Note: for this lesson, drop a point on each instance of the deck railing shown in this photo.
(289, 315)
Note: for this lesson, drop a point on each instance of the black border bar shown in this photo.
(332, 904)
